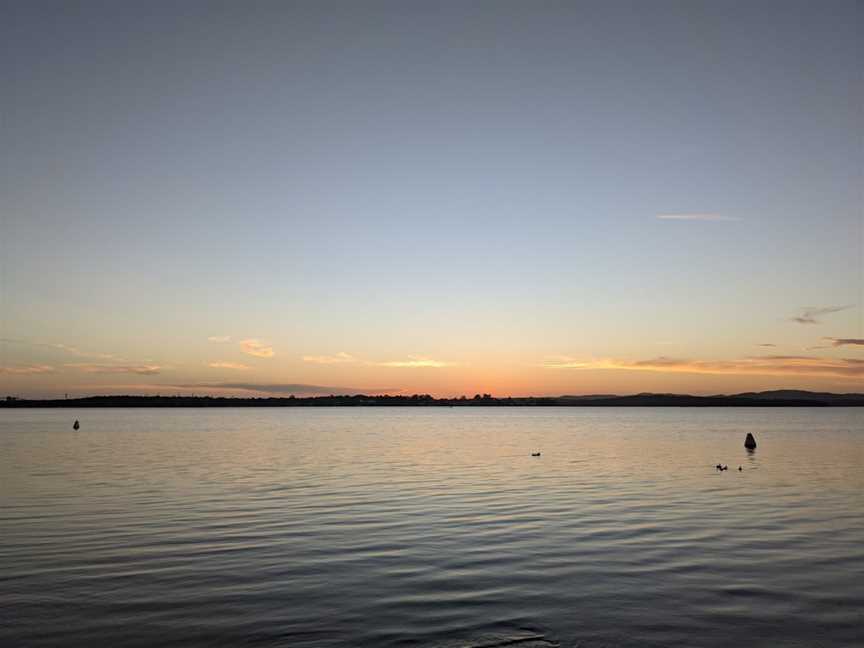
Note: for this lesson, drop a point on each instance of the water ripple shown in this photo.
(388, 527)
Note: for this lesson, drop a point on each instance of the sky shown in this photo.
(519, 198)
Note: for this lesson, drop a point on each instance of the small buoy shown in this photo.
(76, 425)
(750, 442)
(535, 454)
(740, 469)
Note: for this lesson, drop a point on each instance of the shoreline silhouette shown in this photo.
(778, 398)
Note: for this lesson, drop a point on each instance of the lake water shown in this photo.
(432, 527)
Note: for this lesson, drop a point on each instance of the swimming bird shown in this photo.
(740, 469)
(76, 425)
(535, 454)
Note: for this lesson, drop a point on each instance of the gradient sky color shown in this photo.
(505, 197)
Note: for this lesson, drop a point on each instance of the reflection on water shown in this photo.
(386, 527)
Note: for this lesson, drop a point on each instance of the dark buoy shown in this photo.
(740, 469)
(535, 454)
(750, 442)
(76, 425)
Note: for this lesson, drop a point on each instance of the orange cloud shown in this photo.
(256, 348)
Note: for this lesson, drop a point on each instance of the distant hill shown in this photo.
(590, 397)
(776, 398)
(798, 394)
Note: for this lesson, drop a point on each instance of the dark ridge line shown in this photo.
(752, 399)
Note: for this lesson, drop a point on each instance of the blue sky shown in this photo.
(476, 185)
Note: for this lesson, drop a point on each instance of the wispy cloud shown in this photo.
(770, 365)
(19, 370)
(142, 369)
(839, 342)
(219, 339)
(569, 362)
(228, 365)
(338, 358)
(298, 389)
(412, 362)
(65, 348)
(256, 348)
(813, 315)
(416, 362)
(698, 216)
(81, 354)
(766, 344)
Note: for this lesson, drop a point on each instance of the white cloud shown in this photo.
(220, 339)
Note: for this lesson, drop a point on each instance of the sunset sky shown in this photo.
(508, 197)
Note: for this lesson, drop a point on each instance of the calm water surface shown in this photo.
(414, 527)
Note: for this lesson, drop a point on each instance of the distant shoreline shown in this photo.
(780, 398)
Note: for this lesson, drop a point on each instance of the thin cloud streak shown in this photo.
(65, 348)
(413, 362)
(219, 339)
(256, 348)
(839, 342)
(285, 388)
(141, 370)
(81, 354)
(704, 217)
(416, 362)
(338, 358)
(26, 370)
(228, 365)
(776, 365)
(813, 315)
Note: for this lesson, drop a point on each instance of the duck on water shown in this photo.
(76, 425)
